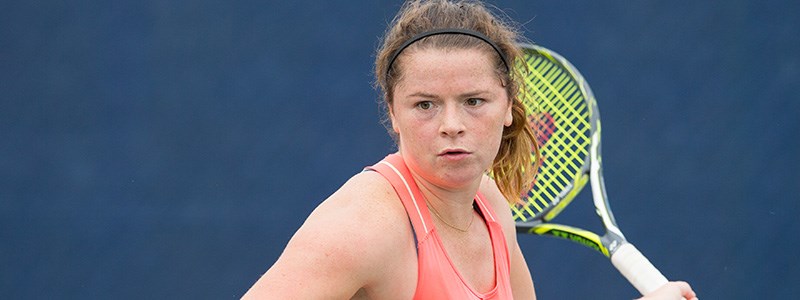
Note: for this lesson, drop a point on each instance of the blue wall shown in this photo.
(160, 149)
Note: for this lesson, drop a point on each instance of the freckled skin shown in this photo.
(449, 112)
(449, 100)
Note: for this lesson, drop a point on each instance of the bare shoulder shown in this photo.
(365, 204)
(363, 214)
(499, 203)
(366, 197)
(343, 244)
(521, 282)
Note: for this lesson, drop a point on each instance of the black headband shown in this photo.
(425, 34)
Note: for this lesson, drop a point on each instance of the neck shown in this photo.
(455, 205)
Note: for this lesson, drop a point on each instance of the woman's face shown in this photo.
(449, 111)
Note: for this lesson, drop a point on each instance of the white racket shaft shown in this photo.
(637, 269)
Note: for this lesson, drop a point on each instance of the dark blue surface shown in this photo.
(169, 149)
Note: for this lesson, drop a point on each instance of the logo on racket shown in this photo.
(544, 127)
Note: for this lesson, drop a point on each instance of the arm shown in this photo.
(308, 267)
(521, 281)
(339, 250)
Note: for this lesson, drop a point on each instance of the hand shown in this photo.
(676, 290)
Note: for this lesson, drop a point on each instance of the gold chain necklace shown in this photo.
(448, 224)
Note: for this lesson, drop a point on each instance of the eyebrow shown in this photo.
(464, 95)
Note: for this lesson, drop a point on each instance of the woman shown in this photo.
(427, 222)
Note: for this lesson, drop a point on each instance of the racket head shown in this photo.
(562, 112)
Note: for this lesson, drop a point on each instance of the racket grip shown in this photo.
(637, 269)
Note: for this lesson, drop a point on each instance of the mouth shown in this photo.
(454, 153)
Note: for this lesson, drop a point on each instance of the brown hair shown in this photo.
(513, 168)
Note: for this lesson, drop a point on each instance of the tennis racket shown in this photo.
(563, 113)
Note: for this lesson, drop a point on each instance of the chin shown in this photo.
(462, 176)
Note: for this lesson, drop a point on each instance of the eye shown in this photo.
(424, 105)
(474, 101)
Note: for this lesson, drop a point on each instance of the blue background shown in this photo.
(169, 149)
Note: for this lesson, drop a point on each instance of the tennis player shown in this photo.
(427, 222)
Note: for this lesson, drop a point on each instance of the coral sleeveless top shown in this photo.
(437, 276)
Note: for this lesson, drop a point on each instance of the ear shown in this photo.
(391, 119)
(509, 116)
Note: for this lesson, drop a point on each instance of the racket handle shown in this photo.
(637, 269)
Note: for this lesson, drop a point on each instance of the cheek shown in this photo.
(418, 134)
(408, 130)
(497, 136)
(494, 133)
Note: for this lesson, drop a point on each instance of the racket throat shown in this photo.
(577, 235)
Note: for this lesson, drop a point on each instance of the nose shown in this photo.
(452, 121)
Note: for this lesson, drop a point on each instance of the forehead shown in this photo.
(435, 67)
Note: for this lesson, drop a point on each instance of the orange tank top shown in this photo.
(437, 277)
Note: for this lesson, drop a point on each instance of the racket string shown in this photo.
(552, 91)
